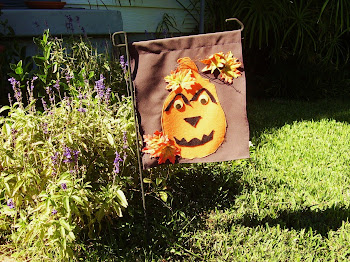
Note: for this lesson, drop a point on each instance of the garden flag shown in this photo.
(191, 98)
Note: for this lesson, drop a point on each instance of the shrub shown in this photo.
(73, 57)
(64, 169)
(296, 49)
(67, 155)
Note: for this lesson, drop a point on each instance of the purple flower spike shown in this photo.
(12, 81)
(80, 96)
(16, 89)
(64, 186)
(100, 87)
(44, 104)
(76, 154)
(69, 24)
(68, 77)
(123, 63)
(107, 95)
(45, 130)
(125, 145)
(32, 82)
(57, 85)
(83, 31)
(116, 162)
(54, 212)
(54, 159)
(68, 155)
(122, 60)
(48, 90)
(125, 140)
(82, 109)
(10, 203)
(10, 99)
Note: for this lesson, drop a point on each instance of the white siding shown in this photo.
(144, 15)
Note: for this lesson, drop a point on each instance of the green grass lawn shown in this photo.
(289, 202)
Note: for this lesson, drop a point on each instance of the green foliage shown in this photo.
(10, 51)
(57, 169)
(73, 57)
(192, 8)
(337, 12)
(289, 202)
(164, 27)
(68, 164)
(292, 200)
(67, 159)
(308, 39)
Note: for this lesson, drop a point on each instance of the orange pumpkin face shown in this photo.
(194, 119)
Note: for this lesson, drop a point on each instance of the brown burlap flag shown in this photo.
(191, 98)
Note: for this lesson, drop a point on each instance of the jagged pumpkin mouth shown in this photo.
(195, 141)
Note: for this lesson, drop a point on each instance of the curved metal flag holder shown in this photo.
(189, 98)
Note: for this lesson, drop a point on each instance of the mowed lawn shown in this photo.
(293, 195)
(288, 202)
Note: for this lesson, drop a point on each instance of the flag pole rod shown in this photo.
(201, 21)
(235, 19)
(131, 91)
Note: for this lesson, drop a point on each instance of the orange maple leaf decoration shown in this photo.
(177, 79)
(215, 61)
(228, 66)
(159, 145)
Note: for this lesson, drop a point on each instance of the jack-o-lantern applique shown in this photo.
(193, 121)
(193, 117)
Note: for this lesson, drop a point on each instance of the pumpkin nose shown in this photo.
(192, 120)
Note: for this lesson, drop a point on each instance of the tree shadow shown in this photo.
(196, 191)
(320, 221)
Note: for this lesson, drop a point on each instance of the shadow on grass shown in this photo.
(268, 114)
(196, 191)
(321, 221)
(264, 115)
(205, 187)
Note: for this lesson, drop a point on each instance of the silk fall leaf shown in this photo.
(177, 79)
(227, 65)
(159, 145)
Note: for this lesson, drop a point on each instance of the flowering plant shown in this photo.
(65, 162)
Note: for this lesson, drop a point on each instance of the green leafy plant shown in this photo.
(68, 164)
(314, 34)
(67, 150)
(337, 13)
(10, 51)
(76, 57)
(64, 169)
(164, 27)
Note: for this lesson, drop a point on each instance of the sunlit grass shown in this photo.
(295, 190)
(289, 202)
